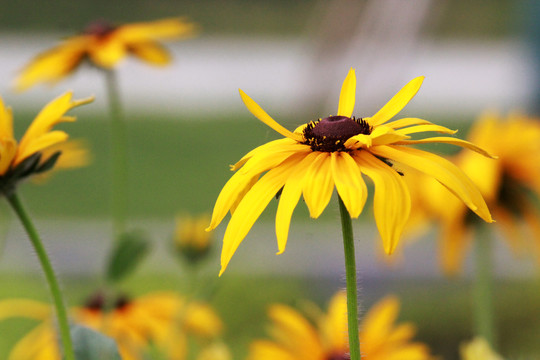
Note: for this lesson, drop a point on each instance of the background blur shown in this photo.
(186, 124)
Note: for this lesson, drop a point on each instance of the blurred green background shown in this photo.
(179, 163)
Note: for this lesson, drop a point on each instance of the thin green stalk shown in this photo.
(350, 271)
(483, 287)
(61, 313)
(118, 140)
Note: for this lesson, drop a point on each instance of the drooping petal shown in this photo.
(233, 189)
(425, 128)
(448, 140)
(260, 114)
(53, 65)
(397, 103)
(252, 205)
(347, 95)
(349, 183)
(107, 52)
(319, 185)
(383, 135)
(274, 145)
(392, 201)
(396, 124)
(442, 170)
(266, 160)
(289, 199)
(151, 52)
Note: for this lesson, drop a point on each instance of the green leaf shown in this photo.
(127, 254)
(91, 345)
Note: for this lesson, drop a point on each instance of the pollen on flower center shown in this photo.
(329, 134)
(99, 28)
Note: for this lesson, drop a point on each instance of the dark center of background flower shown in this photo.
(339, 356)
(98, 302)
(329, 134)
(99, 28)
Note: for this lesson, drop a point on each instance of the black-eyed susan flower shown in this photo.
(295, 337)
(191, 241)
(38, 151)
(163, 320)
(104, 45)
(508, 185)
(335, 152)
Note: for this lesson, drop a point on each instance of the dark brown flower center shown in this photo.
(98, 302)
(331, 133)
(99, 28)
(339, 356)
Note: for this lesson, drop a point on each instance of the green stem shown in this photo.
(61, 313)
(483, 289)
(350, 271)
(118, 142)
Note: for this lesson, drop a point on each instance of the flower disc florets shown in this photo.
(100, 302)
(99, 28)
(331, 133)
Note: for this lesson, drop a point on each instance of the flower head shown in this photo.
(104, 45)
(296, 337)
(159, 319)
(336, 152)
(32, 155)
(507, 185)
(191, 240)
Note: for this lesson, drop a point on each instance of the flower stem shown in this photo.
(118, 142)
(483, 289)
(350, 271)
(61, 313)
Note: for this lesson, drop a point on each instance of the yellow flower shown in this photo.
(335, 152)
(158, 319)
(32, 155)
(104, 45)
(478, 349)
(506, 184)
(191, 240)
(296, 338)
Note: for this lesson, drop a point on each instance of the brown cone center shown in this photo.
(331, 133)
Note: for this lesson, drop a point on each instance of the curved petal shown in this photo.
(392, 200)
(289, 199)
(260, 114)
(269, 146)
(252, 205)
(266, 160)
(151, 52)
(319, 185)
(443, 171)
(448, 140)
(39, 344)
(172, 28)
(25, 309)
(42, 142)
(349, 183)
(396, 124)
(347, 95)
(425, 128)
(397, 103)
(107, 52)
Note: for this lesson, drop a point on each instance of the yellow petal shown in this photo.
(228, 196)
(349, 183)
(6, 121)
(449, 140)
(252, 205)
(442, 170)
(424, 128)
(54, 64)
(397, 103)
(347, 95)
(359, 141)
(24, 308)
(379, 321)
(172, 28)
(383, 135)
(260, 114)
(392, 201)
(39, 344)
(319, 185)
(407, 122)
(274, 145)
(50, 115)
(151, 52)
(107, 52)
(272, 157)
(289, 198)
